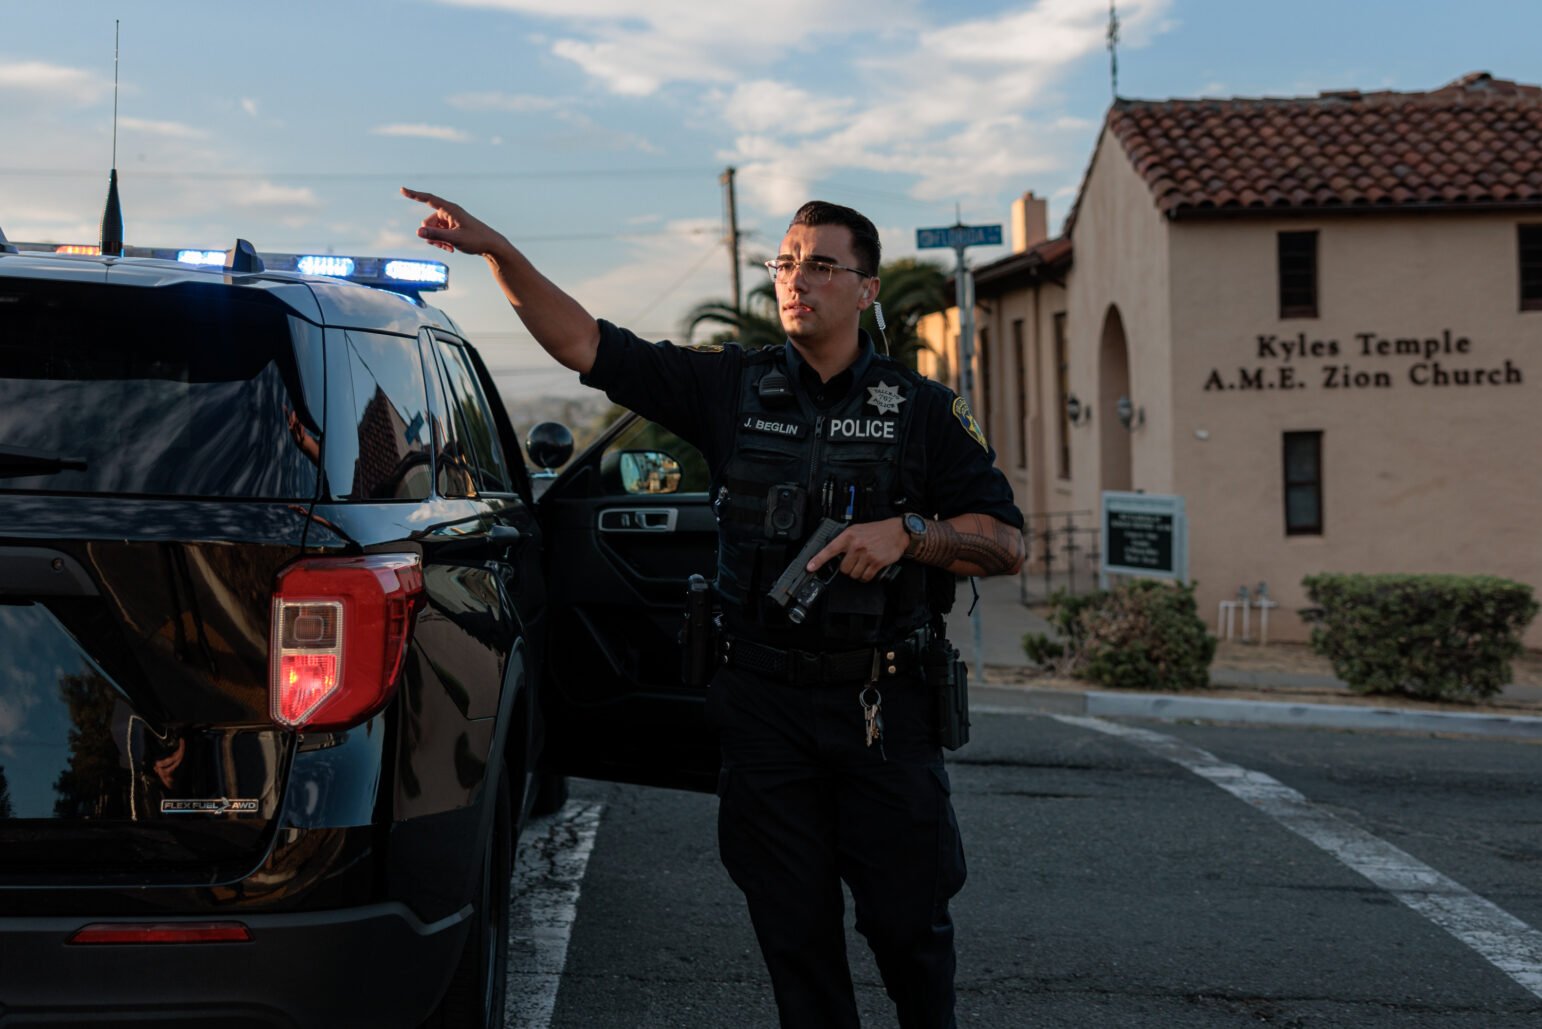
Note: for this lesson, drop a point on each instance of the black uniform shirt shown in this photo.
(693, 393)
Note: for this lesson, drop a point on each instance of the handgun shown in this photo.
(797, 589)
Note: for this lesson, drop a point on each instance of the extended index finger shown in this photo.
(834, 548)
(426, 198)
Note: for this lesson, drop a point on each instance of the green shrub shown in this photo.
(1435, 637)
(1144, 634)
(1065, 610)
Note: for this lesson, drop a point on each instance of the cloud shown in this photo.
(966, 106)
(634, 50)
(52, 80)
(685, 260)
(765, 105)
(268, 194)
(249, 105)
(167, 129)
(498, 101)
(967, 110)
(586, 134)
(419, 130)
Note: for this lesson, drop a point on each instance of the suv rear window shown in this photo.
(183, 391)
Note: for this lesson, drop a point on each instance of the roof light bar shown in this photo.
(418, 271)
(325, 264)
(405, 277)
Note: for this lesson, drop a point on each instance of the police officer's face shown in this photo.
(812, 307)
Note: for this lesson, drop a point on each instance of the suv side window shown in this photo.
(377, 443)
(452, 466)
(475, 427)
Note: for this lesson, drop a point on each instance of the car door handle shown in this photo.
(639, 519)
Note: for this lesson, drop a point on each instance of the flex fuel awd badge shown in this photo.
(209, 806)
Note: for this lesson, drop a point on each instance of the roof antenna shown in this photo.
(1113, 48)
(112, 217)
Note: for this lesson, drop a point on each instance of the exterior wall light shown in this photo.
(1075, 412)
(1130, 416)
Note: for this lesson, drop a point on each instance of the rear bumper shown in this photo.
(369, 966)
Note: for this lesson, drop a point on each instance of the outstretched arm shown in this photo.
(967, 544)
(558, 322)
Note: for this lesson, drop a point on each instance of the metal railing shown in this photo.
(1063, 554)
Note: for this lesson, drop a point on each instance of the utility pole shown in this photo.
(731, 216)
(958, 237)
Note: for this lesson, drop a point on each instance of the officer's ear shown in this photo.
(868, 295)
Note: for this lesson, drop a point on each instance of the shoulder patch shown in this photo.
(706, 348)
(961, 412)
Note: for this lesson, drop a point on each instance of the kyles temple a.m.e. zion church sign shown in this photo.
(1368, 360)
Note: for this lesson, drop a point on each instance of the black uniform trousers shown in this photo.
(806, 804)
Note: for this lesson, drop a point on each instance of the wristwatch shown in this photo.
(915, 528)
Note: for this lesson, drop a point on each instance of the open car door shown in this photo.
(625, 525)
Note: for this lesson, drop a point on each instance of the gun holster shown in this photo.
(699, 635)
(948, 677)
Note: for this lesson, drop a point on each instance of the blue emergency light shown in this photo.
(404, 277)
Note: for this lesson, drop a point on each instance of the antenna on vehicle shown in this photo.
(112, 217)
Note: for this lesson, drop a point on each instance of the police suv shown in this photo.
(288, 647)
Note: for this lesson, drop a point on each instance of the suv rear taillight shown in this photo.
(340, 633)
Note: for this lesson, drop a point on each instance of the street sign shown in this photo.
(956, 237)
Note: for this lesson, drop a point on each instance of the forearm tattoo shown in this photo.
(997, 548)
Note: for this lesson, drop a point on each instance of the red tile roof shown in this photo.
(1475, 143)
(1045, 261)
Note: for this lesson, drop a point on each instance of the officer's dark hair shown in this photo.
(864, 236)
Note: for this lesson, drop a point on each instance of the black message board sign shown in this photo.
(1145, 534)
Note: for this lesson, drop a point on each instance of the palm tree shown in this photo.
(754, 325)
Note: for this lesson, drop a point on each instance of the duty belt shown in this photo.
(806, 666)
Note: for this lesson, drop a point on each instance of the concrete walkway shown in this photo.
(1241, 695)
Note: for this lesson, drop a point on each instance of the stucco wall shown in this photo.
(1121, 261)
(1416, 478)
(1025, 443)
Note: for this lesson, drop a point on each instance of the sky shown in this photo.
(594, 132)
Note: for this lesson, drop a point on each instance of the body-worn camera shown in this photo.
(784, 511)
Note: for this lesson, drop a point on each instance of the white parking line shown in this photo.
(1506, 942)
(548, 872)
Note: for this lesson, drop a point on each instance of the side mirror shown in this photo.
(549, 445)
(648, 471)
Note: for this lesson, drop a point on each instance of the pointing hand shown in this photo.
(450, 228)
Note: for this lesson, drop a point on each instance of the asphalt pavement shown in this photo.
(1240, 695)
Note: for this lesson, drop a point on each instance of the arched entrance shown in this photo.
(1113, 383)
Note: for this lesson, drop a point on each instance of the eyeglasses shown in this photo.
(817, 272)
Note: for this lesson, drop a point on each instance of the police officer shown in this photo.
(831, 766)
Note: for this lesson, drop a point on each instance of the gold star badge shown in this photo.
(885, 397)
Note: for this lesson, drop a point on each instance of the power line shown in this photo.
(659, 297)
(436, 175)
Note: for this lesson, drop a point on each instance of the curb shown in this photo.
(1167, 707)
